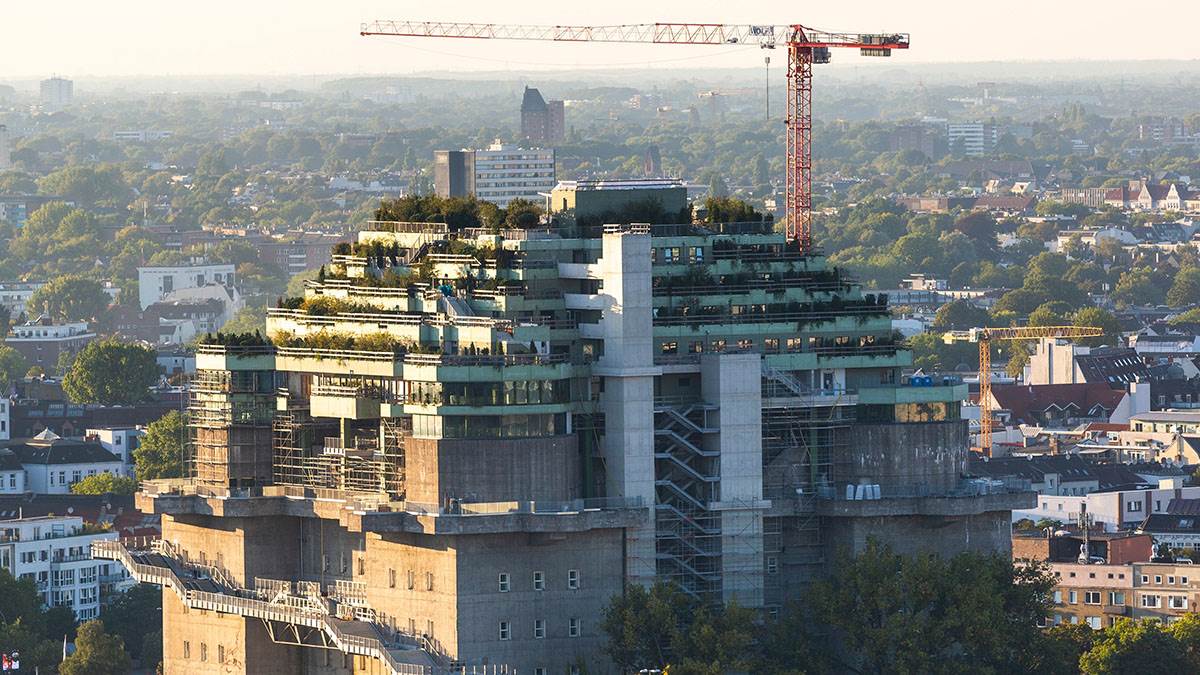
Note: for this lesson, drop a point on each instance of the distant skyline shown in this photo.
(272, 37)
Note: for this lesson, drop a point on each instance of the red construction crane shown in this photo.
(806, 47)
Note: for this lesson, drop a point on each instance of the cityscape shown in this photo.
(780, 351)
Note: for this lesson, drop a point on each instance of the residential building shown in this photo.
(53, 464)
(1099, 594)
(5, 419)
(56, 94)
(156, 283)
(1048, 474)
(176, 361)
(542, 122)
(1178, 527)
(14, 295)
(55, 553)
(141, 135)
(546, 418)
(5, 149)
(12, 473)
(1062, 361)
(121, 441)
(42, 340)
(973, 139)
(1167, 422)
(1068, 545)
(498, 174)
(1114, 510)
(16, 209)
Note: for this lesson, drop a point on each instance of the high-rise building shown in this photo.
(5, 149)
(542, 122)
(57, 93)
(460, 446)
(498, 174)
(973, 139)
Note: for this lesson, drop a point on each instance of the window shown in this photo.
(429, 581)
(1133, 506)
(505, 633)
(203, 651)
(1152, 601)
(1145, 579)
(572, 579)
(1071, 598)
(391, 578)
(772, 564)
(220, 653)
(573, 628)
(539, 581)
(1183, 581)
(670, 348)
(412, 579)
(362, 566)
(1094, 622)
(770, 344)
(539, 671)
(325, 563)
(503, 582)
(187, 649)
(1074, 619)
(342, 563)
(1116, 597)
(1058, 597)
(1157, 579)
(1178, 602)
(539, 629)
(1091, 597)
(1171, 580)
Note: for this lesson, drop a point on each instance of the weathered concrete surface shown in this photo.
(932, 454)
(988, 533)
(925, 506)
(492, 470)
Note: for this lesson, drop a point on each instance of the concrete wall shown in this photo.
(244, 547)
(390, 559)
(928, 454)
(493, 469)
(988, 532)
(596, 555)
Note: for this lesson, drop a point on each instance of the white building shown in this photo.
(15, 295)
(1116, 510)
(55, 553)
(141, 135)
(56, 93)
(156, 283)
(504, 173)
(53, 464)
(12, 473)
(5, 149)
(5, 418)
(120, 441)
(973, 139)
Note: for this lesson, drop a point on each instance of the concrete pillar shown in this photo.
(628, 400)
(734, 382)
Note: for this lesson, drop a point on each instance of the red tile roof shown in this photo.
(1023, 400)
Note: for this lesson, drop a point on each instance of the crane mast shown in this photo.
(806, 47)
(984, 337)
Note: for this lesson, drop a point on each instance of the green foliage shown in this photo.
(1136, 288)
(959, 315)
(1185, 289)
(1099, 318)
(30, 628)
(457, 212)
(231, 339)
(99, 185)
(729, 210)
(136, 617)
(1190, 316)
(643, 625)
(932, 354)
(111, 372)
(13, 366)
(70, 298)
(105, 483)
(1134, 647)
(249, 319)
(96, 653)
(160, 452)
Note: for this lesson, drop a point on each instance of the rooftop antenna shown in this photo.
(1085, 524)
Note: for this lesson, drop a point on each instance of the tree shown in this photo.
(160, 453)
(1134, 647)
(96, 653)
(111, 372)
(933, 614)
(136, 617)
(1185, 290)
(87, 184)
(1136, 288)
(13, 366)
(959, 315)
(104, 483)
(29, 628)
(1099, 318)
(642, 625)
(1058, 652)
(70, 298)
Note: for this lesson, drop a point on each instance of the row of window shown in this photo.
(187, 651)
(1171, 580)
(76, 476)
(539, 581)
(770, 345)
(1090, 597)
(574, 629)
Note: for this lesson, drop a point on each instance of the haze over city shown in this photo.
(599, 348)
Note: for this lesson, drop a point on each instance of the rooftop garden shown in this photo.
(459, 213)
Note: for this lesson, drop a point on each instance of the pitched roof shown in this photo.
(1023, 400)
(1184, 507)
(1114, 366)
(1170, 522)
(532, 100)
(62, 451)
(1117, 475)
(1070, 468)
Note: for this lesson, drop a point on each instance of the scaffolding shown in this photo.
(687, 480)
(229, 428)
(806, 439)
(316, 453)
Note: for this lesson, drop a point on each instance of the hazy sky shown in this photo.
(80, 38)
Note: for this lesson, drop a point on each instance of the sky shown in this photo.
(85, 38)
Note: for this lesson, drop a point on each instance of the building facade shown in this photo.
(542, 122)
(54, 552)
(468, 464)
(156, 283)
(498, 174)
(56, 93)
(41, 341)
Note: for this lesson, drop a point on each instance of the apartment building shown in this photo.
(42, 340)
(56, 93)
(156, 283)
(542, 122)
(55, 553)
(465, 466)
(53, 464)
(499, 174)
(973, 139)
(120, 440)
(1114, 510)
(1097, 595)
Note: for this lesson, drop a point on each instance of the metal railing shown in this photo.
(964, 488)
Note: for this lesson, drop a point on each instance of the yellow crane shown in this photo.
(984, 337)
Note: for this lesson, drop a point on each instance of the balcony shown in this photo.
(346, 402)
